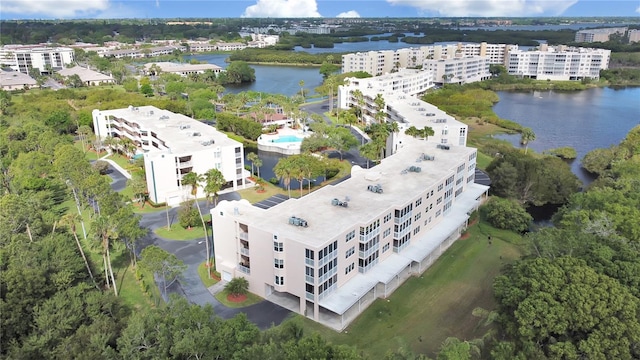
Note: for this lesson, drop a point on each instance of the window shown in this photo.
(279, 280)
(387, 217)
(440, 187)
(418, 216)
(418, 202)
(349, 268)
(278, 246)
(350, 252)
(439, 200)
(386, 233)
(461, 168)
(278, 263)
(443, 141)
(438, 213)
(386, 247)
(350, 235)
(416, 230)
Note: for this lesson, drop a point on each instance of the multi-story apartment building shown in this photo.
(330, 254)
(634, 35)
(380, 62)
(142, 53)
(173, 145)
(22, 58)
(458, 69)
(598, 35)
(558, 63)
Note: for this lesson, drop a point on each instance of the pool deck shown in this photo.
(266, 142)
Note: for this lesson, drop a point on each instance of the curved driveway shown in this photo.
(193, 252)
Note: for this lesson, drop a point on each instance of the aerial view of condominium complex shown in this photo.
(329, 254)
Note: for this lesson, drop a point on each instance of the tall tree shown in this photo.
(284, 171)
(70, 219)
(527, 135)
(213, 182)
(193, 180)
(162, 263)
(105, 231)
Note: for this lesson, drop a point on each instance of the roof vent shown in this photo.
(443, 147)
(337, 202)
(164, 117)
(427, 157)
(196, 134)
(182, 127)
(296, 221)
(206, 142)
(441, 121)
(375, 188)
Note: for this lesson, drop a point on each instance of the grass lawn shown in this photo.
(177, 232)
(426, 310)
(202, 271)
(253, 196)
(130, 290)
(147, 208)
(251, 299)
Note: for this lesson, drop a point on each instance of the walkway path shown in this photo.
(124, 172)
(193, 252)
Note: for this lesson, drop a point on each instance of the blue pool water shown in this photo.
(287, 138)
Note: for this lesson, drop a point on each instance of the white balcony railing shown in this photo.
(244, 269)
(243, 235)
(244, 251)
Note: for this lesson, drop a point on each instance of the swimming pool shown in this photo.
(286, 139)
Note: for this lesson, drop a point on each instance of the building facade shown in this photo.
(22, 58)
(598, 35)
(328, 255)
(459, 69)
(559, 63)
(173, 145)
(634, 35)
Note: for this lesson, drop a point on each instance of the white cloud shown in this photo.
(283, 8)
(348, 14)
(638, 9)
(54, 9)
(488, 7)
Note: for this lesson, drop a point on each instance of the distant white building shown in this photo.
(137, 53)
(558, 63)
(182, 69)
(458, 69)
(634, 35)
(24, 57)
(15, 80)
(173, 145)
(88, 76)
(598, 35)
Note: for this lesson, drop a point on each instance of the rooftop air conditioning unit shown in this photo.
(415, 169)
(296, 221)
(428, 157)
(444, 147)
(375, 188)
(196, 134)
(182, 127)
(337, 202)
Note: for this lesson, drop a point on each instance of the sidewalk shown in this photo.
(116, 166)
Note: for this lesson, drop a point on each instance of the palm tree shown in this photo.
(284, 171)
(105, 231)
(380, 107)
(301, 83)
(257, 162)
(359, 98)
(214, 181)
(526, 136)
(252, 157)
(70, 220)
(193, 180)
(426, 132)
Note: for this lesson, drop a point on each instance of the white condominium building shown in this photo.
(330, 254)
(598, 35)
(634, 35)
(22, 58)
(458, 69)
(381, 62)
(181, 69)
(173, 145)
(559, 63)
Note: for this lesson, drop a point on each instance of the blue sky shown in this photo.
(51, 9)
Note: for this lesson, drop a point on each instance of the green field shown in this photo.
(426, 310)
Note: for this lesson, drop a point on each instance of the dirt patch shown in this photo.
(236, 298)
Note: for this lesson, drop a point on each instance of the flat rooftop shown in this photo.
(399, 188)
(180, 133)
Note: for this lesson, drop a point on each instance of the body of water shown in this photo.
(584, 120)
(575, 26)
(274, 79)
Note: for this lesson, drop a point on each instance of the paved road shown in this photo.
(118, 180)
(193, 253)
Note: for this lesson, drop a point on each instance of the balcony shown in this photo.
(310, 296)
(309, 279)
(365, 253)
(185, 164)
(309, 262)
(244, 269)
(327, 275)
(244, 251)
(243, 235)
